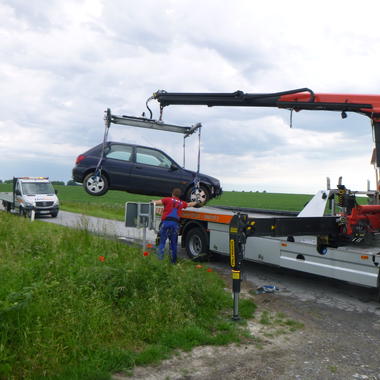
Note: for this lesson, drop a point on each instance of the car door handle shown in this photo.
(138, 167)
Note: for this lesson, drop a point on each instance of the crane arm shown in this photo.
(297, 100)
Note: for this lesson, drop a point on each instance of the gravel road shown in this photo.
(340, 338)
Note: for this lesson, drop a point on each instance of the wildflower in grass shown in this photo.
(198, 266)
(209, 270)
(149, 245)
(146, 253)
(101, 258)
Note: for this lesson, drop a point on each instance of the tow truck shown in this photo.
(30, 196)
(333, 236)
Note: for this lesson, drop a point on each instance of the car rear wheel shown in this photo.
(201, 195)
(95, 184)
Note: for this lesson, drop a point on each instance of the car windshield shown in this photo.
(31, 188)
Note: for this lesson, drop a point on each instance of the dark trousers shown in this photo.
(169, 230)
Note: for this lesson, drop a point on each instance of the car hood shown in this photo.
(203, 177)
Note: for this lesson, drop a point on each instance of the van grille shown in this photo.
(44, 204)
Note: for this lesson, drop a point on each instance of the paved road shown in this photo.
(102, 226)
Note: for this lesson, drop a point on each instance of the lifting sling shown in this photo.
(143, 122)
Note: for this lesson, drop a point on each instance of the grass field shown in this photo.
(76, 306)
(111, 205)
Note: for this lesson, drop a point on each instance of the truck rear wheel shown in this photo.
(196, 244)
(7, 206)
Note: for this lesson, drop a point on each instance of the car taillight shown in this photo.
(79, 159)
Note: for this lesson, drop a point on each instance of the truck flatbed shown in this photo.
(206, 229)
(8, 197)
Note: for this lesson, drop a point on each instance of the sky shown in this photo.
(64, 62)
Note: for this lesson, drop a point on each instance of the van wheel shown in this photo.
(95, 185)
(54, 214)
(196, 244)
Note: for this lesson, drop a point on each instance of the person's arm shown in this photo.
(157, 202)
(192, 204)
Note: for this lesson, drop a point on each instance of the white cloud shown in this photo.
(62, 63)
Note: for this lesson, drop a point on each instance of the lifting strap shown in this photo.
(196, 180)
(107, 124)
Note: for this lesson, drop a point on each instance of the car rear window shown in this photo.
(120, 152)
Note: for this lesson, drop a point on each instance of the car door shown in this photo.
(154, 172)
(118, 163)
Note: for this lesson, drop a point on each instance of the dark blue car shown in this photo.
(141, 170)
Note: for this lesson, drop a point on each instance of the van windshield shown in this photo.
(31, 188)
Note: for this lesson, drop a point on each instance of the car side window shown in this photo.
(120, 152)
(152, 157)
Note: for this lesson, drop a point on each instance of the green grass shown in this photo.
(65, 314)
(112, 204)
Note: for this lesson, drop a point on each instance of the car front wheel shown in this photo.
(95, 184)
(201, 195)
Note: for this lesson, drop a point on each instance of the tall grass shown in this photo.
(76, 306)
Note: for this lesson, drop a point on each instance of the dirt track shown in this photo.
(335, 343)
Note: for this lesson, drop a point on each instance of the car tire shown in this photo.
(95, 185)
(54, 214)
(196, 244)
(203, 195)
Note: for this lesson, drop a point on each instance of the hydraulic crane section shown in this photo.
(241, 227)
(297, 100)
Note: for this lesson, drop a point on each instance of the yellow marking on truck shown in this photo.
(236, 274)
(232, 253)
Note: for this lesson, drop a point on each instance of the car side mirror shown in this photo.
(173, 167)
(55, 191)
(18, 192)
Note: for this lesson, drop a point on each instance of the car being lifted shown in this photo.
(140, 170)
